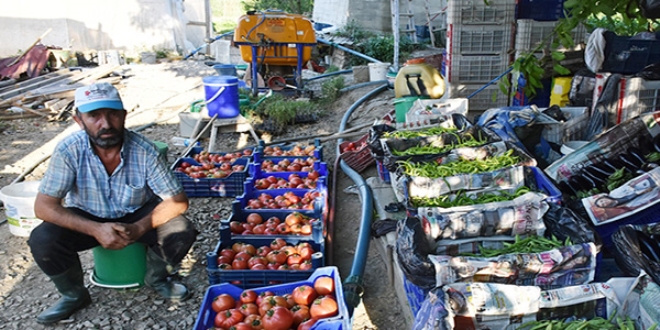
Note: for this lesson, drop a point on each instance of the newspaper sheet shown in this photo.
(632, 197)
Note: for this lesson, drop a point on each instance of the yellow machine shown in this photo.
(277, 44)
(417, 78)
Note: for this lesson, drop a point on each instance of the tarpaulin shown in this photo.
(31, 63)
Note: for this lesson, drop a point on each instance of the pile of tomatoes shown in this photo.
(288, 200)
(208, 170)
(293, 181)
(207, 157)
(288, 165)
(295, 223)
(278, 255)
(352, 146)
(300, 309)
(296, 150)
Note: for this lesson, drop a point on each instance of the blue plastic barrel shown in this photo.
(221, 96)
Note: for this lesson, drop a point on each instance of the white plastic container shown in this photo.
(19, 206)
(378, 71)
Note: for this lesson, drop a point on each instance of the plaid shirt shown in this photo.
(76, 174)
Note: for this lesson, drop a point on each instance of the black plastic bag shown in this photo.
(637, 247)
(582, 88)
(412, 251)
(375, 133)
(650, 8)
(563, 223)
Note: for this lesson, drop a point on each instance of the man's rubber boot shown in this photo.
(157, 277)
(75, 296)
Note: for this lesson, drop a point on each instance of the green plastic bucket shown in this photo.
(402, 105)
(120, 269)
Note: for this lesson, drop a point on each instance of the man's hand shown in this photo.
(129, 231)
(113, 236)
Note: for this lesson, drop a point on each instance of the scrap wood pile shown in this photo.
(49, 95)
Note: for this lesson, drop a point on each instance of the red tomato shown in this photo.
(256, 260)
(249, 249)
(277, 243)
(324, 285)
(237, 246)
(263, 295)
(236, 227)
(270, 231)
(248, 296)
(306, 265)
(322, 307)
(258, 267)
(239, 263)
(306, 229)
(228, 318)
(263, 251)
(313, 175)
(305, 252)
(254, 218)
(278, 318)
(224, 260)
(254, 321)
(249, 309)
(289, 300)
(294, 259)
(283, 229)
(223, 302)
(289, 250)
(273, 265)
(259, 229)
(300, 314)
(293, 218)
(247, 226)
(185, 165)
(304, 295)
(243, 255)
(241, 326)
(276, 256)
(283, 267)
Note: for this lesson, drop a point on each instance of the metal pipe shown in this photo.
(207, 43)
(353, 286)
(348, 50)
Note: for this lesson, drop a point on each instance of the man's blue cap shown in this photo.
(98, 96)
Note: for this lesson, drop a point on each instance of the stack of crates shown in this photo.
(529, 36)
(479, 40)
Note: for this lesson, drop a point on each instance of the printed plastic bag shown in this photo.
(432, 313)
(637, 247)
(412, 251)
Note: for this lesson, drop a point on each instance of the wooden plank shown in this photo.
(33, 85)
(61, 90)
(57, 106)
(49, 103)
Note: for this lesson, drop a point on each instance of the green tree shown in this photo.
(289, 6)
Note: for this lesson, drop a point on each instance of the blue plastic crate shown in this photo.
(257, 173)
(320, 203)
(247, 278)
(230, 186)
(239, 214)
(318, 150)
(541, 10)
(197, 150)
(342, 321)
(541, 183)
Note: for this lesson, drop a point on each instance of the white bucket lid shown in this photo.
(571, 146)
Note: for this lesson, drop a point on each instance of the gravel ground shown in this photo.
(153, 93)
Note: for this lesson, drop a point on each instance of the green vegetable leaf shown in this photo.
(561, 70)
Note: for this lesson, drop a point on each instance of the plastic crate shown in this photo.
(320, 204)
(479, 39)
(639, 96)
(531, 33)
(256, 166)
(383, 173)
(247, 278)
(626, 55)
(240, 215)
(197, 150)
(482, 100)
(342, 321)
(257, 173)
(230, 186)
(318, 151)
(570, 130)
(541, 10)
(541, 99)
(471, 12)
(474, 68)
(359, 159)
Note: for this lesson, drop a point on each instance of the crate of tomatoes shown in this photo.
(290, 150)
(200, 155)
(268, 179)
(250, 263)
(357, 154)
(266, 225)
(209, 179)
(315, 303)
(286, 165)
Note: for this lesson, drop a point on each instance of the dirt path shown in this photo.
(154, 92)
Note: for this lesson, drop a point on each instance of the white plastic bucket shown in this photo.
(378, 71)
(19, 207)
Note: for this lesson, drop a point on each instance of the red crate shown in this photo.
(359, 159)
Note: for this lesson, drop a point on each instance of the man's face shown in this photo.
(105, 127)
